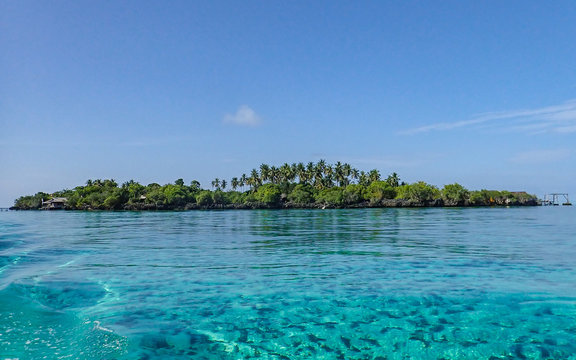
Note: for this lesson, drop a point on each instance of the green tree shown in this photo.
(485, 197)
(393, 180)
(110, 183)
(174, 195)
(73, 200)
(234, 197)
(353, 194)
(455, 194)
(363, 179)
(219, 197)
(346, 172)
(234, 183)
(301, 173)
(268, 194)
(264, 173)
(379, 190)
(31, 202)
(155, 195)
(286, 173)
(194, 185)
(152, 186)
(355, 174)
(318, 174)
(112, 202)
(309, 173)
(374, 175)
(419, 191)
(331, 196)
(204, 198)
(328, 175)
(134, 190)
(301, 194)
(274, 175)
(254, 180)
(95, 200)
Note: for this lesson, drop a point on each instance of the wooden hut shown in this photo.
(56, 203)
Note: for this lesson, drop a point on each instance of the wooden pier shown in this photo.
(555, 199)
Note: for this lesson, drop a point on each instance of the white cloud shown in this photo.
(245, 116)
(551, 119)
(540, 156)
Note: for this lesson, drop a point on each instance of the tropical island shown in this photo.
(289, 186)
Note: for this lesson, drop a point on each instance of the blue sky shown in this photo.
(477, 92)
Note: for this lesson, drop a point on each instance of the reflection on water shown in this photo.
(300, 284)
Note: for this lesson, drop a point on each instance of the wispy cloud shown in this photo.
(559, 119)
(540, 156)
(244, 116)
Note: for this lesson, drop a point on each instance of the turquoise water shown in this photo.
(490, 283)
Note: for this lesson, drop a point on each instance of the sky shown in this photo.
(482, 93)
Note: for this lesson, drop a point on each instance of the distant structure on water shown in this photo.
(54, 204)
(554, 199)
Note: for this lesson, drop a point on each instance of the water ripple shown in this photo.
(367, 283)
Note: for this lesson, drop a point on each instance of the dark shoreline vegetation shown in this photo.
(296, 186)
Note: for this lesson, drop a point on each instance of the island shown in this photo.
(289, 186)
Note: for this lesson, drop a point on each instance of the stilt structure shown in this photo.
(554, 199)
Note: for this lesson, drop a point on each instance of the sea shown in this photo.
(410, 283)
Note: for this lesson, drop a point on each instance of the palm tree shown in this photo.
(255, 179)
(346, 171)
(310, 167)
(328, 176)
(393, 180)
(243, 181)
(363, 179)
(355, 173)
(274, 174)
(128, 183)
(287, 173)
(321, 165)
(294, 172)
(216, 183)
(318, 174)
(250, 181)
(264, 172)
(302, 173)
(339, 174)
(374, 175)
(223, 184)
(234, 183)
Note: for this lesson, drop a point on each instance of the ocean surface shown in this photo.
(470, 283)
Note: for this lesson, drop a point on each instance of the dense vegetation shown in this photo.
(314, 185)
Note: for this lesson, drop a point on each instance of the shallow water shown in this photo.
(473, 283)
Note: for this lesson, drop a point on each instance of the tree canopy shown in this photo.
(288, 185)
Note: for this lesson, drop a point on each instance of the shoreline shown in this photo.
(388, 203)
(296, 186)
